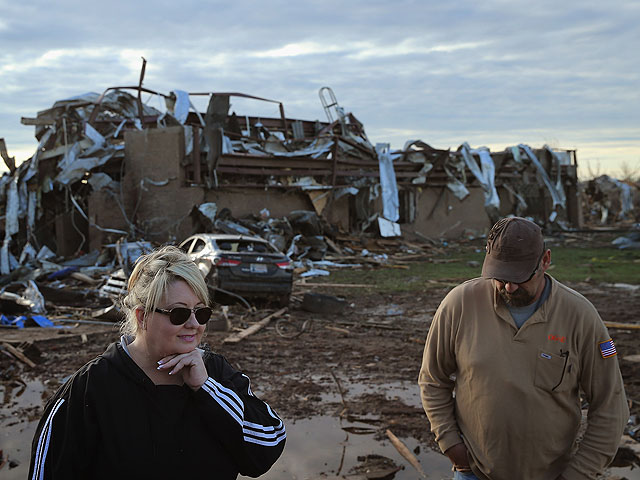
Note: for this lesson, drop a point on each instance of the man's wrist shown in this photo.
(463, 468)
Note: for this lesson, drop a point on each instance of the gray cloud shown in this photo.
(445, 72)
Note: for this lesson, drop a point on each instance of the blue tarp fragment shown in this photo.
(12, 321)
(62, 273)
(42, 321)
(39, 320)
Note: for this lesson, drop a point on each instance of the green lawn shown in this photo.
(569, 264)
(609, 265)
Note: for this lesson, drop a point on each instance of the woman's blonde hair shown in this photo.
(151, 276)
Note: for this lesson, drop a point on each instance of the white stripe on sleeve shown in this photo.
(43, 442)
(266, 435)
(223, 400)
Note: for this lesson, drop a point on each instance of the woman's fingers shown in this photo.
(164, 361)
(172, 360)
(194, 375)
(183, 362)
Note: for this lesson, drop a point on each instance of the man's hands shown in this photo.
(189, 365)
(459, 457)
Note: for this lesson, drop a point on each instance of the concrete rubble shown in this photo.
(609, 201)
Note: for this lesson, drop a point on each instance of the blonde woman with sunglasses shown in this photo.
(154, 405)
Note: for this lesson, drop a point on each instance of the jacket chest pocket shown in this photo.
(554, 373)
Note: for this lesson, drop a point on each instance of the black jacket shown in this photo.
(110, 421)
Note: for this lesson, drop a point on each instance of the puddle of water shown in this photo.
(15, 442)
(316, 446)
(17, 431)
(626, 473)
(407, 392)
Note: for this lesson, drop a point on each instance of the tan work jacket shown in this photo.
(517, 391)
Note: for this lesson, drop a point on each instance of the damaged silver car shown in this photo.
(250, 267)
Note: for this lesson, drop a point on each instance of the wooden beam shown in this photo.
(405, 452)
(236, 337)
(631, 326)
(18, 354)
(339, 285)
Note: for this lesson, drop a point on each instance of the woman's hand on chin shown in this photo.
(190, 365)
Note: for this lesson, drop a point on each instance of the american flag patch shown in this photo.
(607, 349)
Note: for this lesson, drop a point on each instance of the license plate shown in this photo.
(258, 268)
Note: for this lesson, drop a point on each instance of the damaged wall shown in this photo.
(104, 210)
(278, 202)
(439, 214)
(608, 200)
(157, 198)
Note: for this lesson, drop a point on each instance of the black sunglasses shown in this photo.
(179, 315)
(530, 277)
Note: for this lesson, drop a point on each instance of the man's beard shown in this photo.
(519, 298)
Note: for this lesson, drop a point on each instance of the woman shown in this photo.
(154, 405)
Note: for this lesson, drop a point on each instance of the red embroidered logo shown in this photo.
(556, 338)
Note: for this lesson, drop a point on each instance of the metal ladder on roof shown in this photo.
(329, 102)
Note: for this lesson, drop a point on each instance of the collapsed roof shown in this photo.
(82, 149)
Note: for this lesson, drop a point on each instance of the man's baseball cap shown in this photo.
(514, 248)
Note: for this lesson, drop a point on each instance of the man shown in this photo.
(505, 362)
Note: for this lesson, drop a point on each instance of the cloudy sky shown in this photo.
(492, 73)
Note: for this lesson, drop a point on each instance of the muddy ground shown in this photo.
(307, 364)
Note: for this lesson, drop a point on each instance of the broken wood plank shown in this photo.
(379, 325)
(412, 256)
(84, 278)
(427, 239)
(18, 354)
(406, 453)
(339, 285)
(7, 354)
(236, 337)
(368, 324)
(338, 329)
(632, 326)
(333, 246)
(9, 161)
(414, 245)
(42, 121)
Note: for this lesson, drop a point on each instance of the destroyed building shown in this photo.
(110, 166)
(608, 201)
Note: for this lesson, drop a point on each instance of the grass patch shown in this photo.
(569, 264)
(598, 265)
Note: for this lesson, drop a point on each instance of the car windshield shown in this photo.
(245, 246)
